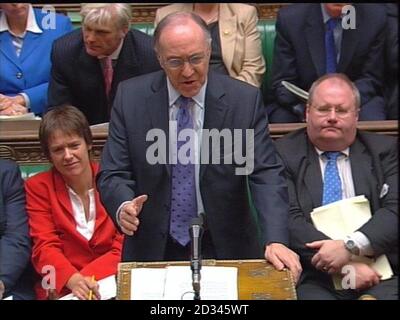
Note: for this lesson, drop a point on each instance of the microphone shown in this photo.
(196, 233)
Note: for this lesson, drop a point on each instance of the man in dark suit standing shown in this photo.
(170, 193)
(316, 39)
(89, 63)
(366, 164)
(15, 244)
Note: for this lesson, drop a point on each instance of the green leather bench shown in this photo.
(29, 170)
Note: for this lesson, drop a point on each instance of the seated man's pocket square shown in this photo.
(384, 191)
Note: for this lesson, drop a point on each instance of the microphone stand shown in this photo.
(196, 233)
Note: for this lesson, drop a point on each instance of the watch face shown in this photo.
(351, 246)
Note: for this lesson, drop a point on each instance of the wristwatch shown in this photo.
(351, 246)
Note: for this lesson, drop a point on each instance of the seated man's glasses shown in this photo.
(339, 111)
(178, 63)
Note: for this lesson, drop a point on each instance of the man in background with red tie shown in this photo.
(168, 194)
(331, 160)
(89, 63)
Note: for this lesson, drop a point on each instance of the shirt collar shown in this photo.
(115, 54)
(31, 24)
(325, 14)
(346, 151)
(199, 98)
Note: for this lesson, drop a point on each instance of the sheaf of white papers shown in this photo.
(175, 283)
(340, 219)
(107, 289)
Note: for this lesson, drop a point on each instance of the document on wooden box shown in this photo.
(340, 219)
(175, 283)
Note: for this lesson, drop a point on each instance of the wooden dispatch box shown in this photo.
(258, 279)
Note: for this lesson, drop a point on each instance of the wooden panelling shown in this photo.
(146, 12)
(19, 139)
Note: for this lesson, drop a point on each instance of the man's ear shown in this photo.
(124, 31)
(306, 112)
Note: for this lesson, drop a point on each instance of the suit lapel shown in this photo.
(7, 48)
(127, 64)
(90, 73)
(227, 33)
(157, 107)
(312, 176)
(61, 190)
(215, 111)
(315, 37)
(31, 42)
(350, 40)
(361, 169)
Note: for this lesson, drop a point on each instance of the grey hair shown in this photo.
(180, 18)
(117, 14)
(340, 77)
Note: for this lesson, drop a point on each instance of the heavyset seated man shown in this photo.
(331, 160)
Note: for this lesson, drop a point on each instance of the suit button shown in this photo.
(19, 75)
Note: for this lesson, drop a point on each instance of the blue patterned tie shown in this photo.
(330, 47)
(183, 194)
(332, 183)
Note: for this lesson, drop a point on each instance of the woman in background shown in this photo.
(70, 228)
(26, 38)
(236, 43)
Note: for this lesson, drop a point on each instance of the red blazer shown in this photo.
(56, 242)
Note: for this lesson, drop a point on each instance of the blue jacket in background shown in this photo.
(30, 72)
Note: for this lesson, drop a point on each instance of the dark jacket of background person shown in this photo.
(391, 87)
(299, 53)
(15, 243)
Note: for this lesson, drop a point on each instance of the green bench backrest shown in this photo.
(29, 170)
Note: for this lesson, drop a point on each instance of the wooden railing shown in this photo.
(19, 140)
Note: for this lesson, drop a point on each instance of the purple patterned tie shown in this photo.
(183, 193)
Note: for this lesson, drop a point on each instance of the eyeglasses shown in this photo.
(177, 63)
(339, 111)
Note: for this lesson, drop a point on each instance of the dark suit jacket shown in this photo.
(299, 52)
(77, 77)
(15, 244)
(391, 86)
(141, 104)
(373, 162)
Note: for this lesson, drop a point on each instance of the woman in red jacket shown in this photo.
(74, 239)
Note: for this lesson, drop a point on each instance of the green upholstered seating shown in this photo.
(29, 170)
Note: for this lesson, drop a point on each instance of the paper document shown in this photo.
(107, 289)
(340, 219)
(296, 90)
(175, 283)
